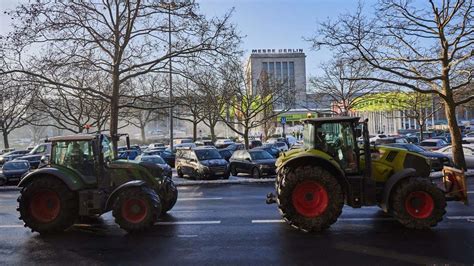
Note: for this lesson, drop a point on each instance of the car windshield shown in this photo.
(208, 154)
(16, 166)
(153, 159)
(280, 144)
(260, 155)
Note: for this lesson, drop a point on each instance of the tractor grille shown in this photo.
(391, 156)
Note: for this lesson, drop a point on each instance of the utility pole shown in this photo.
(170, 77)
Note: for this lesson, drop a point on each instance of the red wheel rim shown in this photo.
(419, 204)
(310, 199)
(134, 210)
(45, 206)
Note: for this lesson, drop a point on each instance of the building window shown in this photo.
(271, 69)
(264, 67)
(278, 70)
(284, 70)
(291, 74)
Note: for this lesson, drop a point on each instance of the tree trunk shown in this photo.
(213, 132)
(456, 139)
(142, 132)
(420, 125)
(246, 138)
(114, 109)
(195, 125)
(6, 145)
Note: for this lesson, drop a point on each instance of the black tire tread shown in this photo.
(170, 196)
(69, 205)
(397, 203)
(287, 180)
(154, 205)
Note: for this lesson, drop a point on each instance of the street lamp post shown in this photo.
(170, 76)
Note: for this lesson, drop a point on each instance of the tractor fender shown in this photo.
(330, 164)
(113, 195)
(392, 182)
(74, 183)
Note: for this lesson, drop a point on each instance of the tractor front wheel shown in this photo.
(417, 203)
(46, 205)
(309, 198)
(136, 208)
(170, 197)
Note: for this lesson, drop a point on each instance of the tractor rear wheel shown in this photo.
(309, 198)
(46, 205)
(170, 197)
(136, 208)
(417, 203)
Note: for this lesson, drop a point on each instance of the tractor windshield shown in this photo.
(308, 134)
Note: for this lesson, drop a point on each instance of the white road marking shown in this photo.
(470, 192)
(193, 199)
(460, 217)
(187, 236)
(367, 219)
(185, 211)
(188, 223)
(267, 221)
(12, 226)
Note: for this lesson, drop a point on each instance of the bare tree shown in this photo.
(428, 50)
(248, 104)
(338, 85)
(190, 104)
(15, 101)
(121, 39)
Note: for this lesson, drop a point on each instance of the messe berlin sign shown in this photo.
(276, 51)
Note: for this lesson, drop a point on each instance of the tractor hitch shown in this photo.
(271, 198)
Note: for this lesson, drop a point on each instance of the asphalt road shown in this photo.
(231, 224)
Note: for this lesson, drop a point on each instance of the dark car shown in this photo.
(225, 153)
(270, 148)
(201, 163)
(9, 156)
(157, 160)
(235, 146)
(389, 140)
(438, 160)
(35, 155)
(14, 170)
(166, 154)
(255, 143)
(254, 162)
(128, 154)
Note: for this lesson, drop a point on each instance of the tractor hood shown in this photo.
(300, 153)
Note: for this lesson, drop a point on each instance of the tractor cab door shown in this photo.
(338, 140)
(76, 156)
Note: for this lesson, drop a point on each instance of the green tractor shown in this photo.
(314, 183)
(83, 179)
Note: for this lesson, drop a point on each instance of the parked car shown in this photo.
(282, 146)
(438, 160)
(256, 162)
(166, 154)
(157, 160)
(9, 156)
(3, 151)
(128, 154)
(236, 146)
(201, 163)
(468, 151)
(35, 155)
(225, 153)
(183, 141)
(200, 143)
(14, 170)
(156, 145)
(373, 138)
(223, 143)
(446, 138)
(255, 143)
(433, 144)
(412, 139)
(469, 138)
(270, 148)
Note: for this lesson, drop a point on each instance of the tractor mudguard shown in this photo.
(391, 182)
(113, 195)
(73, 182)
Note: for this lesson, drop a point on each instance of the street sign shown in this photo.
(283, 120)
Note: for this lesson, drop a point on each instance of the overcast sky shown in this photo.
(266, 24)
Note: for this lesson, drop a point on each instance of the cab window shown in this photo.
(76, 155)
